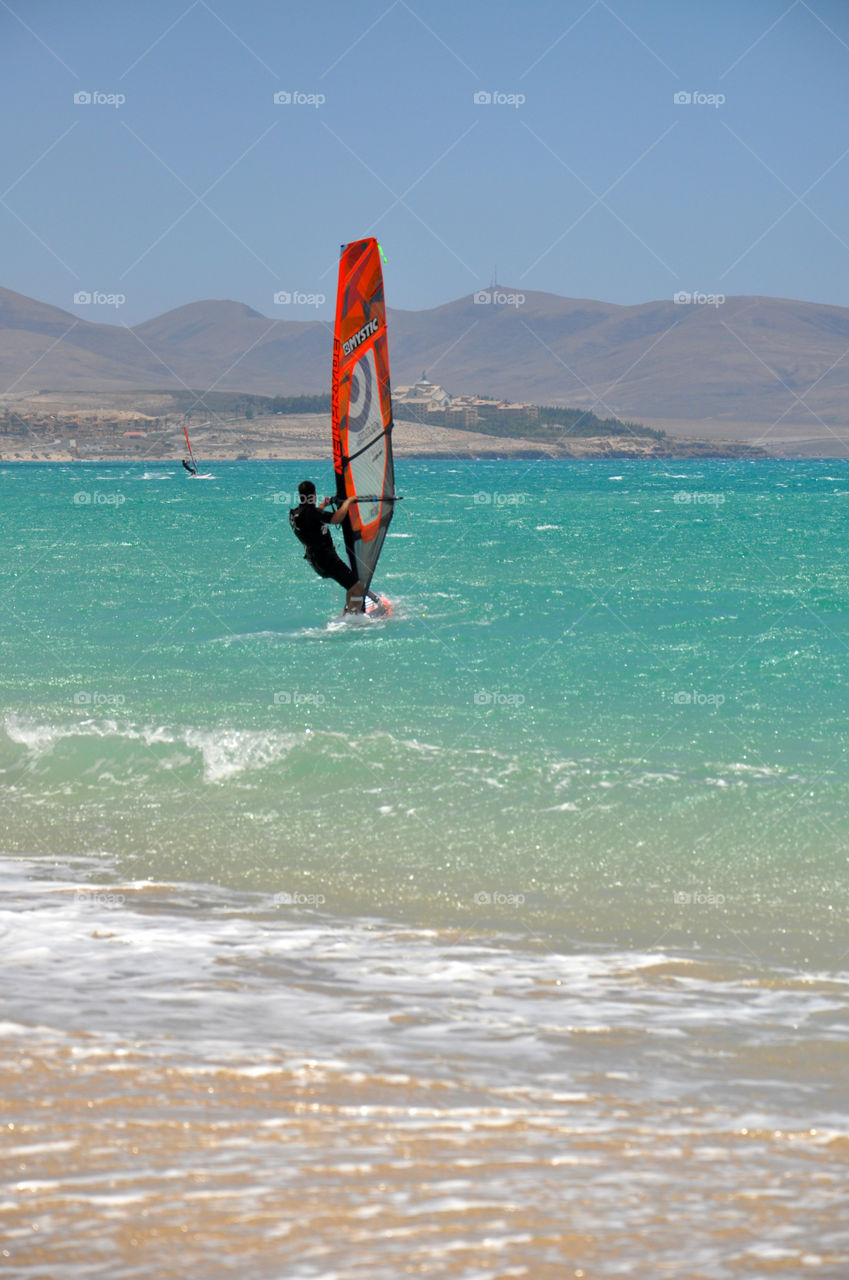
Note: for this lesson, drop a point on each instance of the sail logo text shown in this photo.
(359, 338)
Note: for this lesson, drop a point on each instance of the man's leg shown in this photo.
(354, 598)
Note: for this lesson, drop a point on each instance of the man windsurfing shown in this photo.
(311, 526)
(192, 470)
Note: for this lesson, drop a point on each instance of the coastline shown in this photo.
(52, 426)
(307, 437)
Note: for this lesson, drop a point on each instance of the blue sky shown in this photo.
(597, 184)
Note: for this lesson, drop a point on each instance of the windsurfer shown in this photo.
(310, 523)
(191, 470)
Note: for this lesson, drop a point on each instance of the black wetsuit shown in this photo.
(311, 527)
(191, 470)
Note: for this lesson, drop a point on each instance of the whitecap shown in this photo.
(228, 752)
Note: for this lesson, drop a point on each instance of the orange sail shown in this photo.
(362, 406)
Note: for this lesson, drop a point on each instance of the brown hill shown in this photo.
(749, 360)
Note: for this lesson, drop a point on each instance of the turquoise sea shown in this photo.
(506, 936)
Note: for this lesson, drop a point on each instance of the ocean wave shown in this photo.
(225, 753)
(229, 752)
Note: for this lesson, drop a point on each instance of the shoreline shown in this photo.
(52, 427)
(503, 455)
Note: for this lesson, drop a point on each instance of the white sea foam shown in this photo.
(37, 738)
(228, 752)
(225, 753)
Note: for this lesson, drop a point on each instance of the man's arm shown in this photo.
(341, 512)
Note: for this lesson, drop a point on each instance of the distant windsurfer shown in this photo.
(191, 470)
(310, 523)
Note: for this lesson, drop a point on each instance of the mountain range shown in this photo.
(742, 359)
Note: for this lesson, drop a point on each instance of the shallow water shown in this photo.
(505, 937)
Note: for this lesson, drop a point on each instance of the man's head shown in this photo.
(306, 491)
